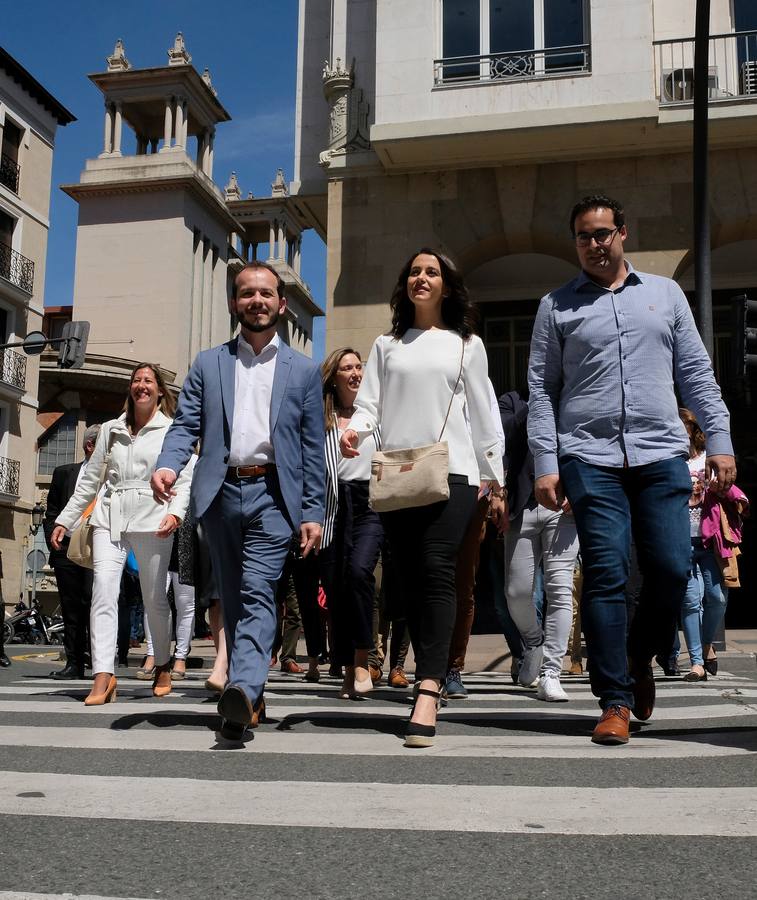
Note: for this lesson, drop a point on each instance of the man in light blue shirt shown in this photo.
(607, 352)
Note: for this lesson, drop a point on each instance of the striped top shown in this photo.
(333, 457)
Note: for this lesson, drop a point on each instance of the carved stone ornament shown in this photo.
(232, 190)
(177, 55)
(118, 61)
(348, 113)
(279, 186)
(206, 78)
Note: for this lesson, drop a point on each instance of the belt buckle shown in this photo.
(236, 472)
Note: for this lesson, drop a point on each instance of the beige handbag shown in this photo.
(402, 479)
(80, 545)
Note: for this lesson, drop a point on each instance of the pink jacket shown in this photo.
(722, 519)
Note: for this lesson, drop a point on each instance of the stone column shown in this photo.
(117, 128)
(272, 239)
(184, 124)
(298, 254)
(211, 147)
(282, 242)
(108, 138)
(167, 125)
(178, 129)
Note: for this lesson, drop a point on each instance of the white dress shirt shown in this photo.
(253, 384)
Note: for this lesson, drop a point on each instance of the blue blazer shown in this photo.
(206, 411)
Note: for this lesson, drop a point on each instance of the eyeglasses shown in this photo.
(602, 236)
(357, 367)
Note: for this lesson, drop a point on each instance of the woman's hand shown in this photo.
(168, 525)
(56, 538)
(499, 514)
(348, 444)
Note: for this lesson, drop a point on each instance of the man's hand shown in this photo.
(168, 525)
(348, 444)
(162, 483)
(549, 492)
(56, 538)
(499, 514)
(310, 537)
(721, 469)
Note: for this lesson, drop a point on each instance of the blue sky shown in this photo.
(250, 48)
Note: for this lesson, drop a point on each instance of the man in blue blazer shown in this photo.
(255, 406)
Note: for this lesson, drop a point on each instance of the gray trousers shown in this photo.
(540, 536)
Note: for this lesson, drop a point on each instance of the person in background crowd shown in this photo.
(390, 632)
(468, 558)
(74, 582)
(537, 537)
(706, 596)
(608, 351)
(126, 517)
(430, 372)
(298, 610)
(206, 597)
(255, 406)
(352, 530)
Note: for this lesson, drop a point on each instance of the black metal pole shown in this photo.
(702, 266)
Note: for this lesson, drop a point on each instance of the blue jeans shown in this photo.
(705, 601)
(610, 505)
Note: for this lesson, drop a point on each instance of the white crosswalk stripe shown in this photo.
(308, 722)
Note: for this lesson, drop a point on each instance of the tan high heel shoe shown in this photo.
(108, 696)
(161, 685)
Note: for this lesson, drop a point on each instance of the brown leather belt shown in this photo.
(235, 473)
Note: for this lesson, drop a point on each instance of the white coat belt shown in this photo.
(133, 489)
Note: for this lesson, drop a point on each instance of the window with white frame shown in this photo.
(485, 40)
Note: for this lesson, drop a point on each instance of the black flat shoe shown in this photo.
(422, 735)
(67, 673)
(711, 666)
(4, 661)
(668, 666)
(233, 731)
(695, 676)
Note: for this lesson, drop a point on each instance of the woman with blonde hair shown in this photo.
(352, 532)
(126, 517)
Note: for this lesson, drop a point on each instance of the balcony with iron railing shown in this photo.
(10, 470)
(10, 172)
(12, 371)
(518, 65)
(731, 75)
(16, 269)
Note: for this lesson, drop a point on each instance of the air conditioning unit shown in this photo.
(677, 85)
(749, 77)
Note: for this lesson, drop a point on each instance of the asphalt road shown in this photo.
(142, 799)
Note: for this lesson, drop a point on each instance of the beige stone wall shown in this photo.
(36, 163)
(478, 215)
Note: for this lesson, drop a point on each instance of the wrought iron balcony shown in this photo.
(9, 172)
(732, 69)
(518, 65)
(16, 268)
(10, 470)
(13, 369)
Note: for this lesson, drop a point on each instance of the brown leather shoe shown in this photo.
(234, 705)
(376, 674)
(397, 678)
(258, 713)
(643, 689)
(290, 667)
(612, 727)
(576, 668)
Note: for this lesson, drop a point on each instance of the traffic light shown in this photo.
(73, 347)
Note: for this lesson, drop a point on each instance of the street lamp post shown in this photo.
(38, 515)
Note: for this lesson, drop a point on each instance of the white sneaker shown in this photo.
(550, 689)
(530, 665)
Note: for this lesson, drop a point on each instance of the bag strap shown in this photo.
(454, 389)
(106, 460)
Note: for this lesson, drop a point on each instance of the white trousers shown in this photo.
(153, 555)
(184, 598)
(542, 536)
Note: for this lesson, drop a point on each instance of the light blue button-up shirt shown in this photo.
(602, 371)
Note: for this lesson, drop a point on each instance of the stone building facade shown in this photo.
(474, 126)
(29, 119)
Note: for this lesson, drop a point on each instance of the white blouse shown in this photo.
(359, 467)
(406, 390)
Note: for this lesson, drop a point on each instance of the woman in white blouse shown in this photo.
(126, 517)
(409, 379)
(352, 532)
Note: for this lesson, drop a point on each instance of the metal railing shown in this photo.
(10, 172)
(518, 65)
(10, 470)
(16, 268)
(732, 72)
(13, 368)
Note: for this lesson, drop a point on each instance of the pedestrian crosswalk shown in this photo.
(503, 762)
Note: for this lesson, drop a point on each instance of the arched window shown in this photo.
(58, 445)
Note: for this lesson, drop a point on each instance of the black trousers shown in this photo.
(297, 604)
(424, 543)
(75, 595)
(347, 568)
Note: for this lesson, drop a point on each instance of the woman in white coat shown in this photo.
(126, 517)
